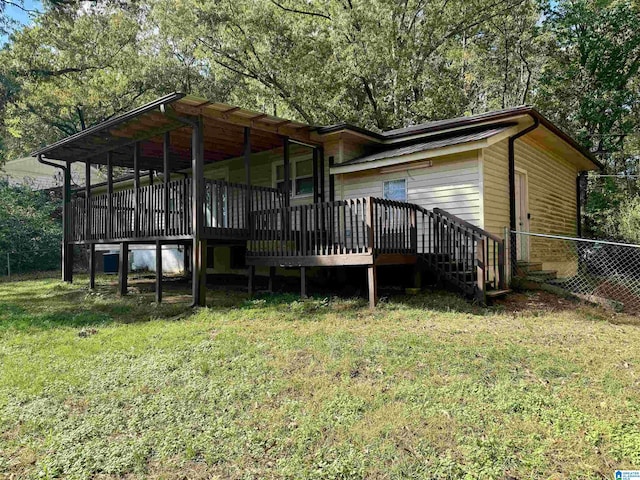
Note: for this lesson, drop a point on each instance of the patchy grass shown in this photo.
(93, 386)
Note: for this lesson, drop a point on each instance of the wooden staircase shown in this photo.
(466, 257)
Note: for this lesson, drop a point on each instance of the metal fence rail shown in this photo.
(598, 271)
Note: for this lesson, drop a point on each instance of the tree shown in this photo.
(30, 229)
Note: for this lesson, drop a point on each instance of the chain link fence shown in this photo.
(14, 263)
(606, 273)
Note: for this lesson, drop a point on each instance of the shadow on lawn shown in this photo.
(49, 303)
(45, 304)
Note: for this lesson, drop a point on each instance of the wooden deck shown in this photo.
(364, 231)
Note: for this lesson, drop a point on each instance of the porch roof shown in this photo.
(223, 134)
(399, 154)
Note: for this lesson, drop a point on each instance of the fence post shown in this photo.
(507, 255)
(9, 266)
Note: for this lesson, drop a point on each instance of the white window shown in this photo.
(395, 190)
(301, 177)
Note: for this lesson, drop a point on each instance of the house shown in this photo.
(29, 172)
(250, 193)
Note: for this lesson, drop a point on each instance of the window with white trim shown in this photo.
(301, 177)
(395, 190)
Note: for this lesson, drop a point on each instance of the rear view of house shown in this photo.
(246, 192)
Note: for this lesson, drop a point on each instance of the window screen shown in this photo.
(395, 190)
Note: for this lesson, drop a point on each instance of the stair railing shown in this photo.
(468, 247)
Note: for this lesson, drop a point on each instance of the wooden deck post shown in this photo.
(372, 281)
(158, 271)
(247, 173)
(87, 199)
(272, 278)
(136, 188)
(110, 194)
(252, 278)
(303, 282)
(123, 270)
(199, 250)
(316, 177)
(321, 169)
(166, 179)
(92, 266)
(67, 248)
(287, 172)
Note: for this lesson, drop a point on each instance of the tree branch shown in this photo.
(300, 12)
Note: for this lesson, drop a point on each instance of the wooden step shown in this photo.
(542, 275)
(522, 266)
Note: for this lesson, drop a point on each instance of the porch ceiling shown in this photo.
(223, 134)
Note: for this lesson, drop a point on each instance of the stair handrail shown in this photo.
(470, 226)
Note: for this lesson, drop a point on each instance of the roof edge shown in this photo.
(166, 99)
(468, 122)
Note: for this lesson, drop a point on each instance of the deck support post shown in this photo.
(303, 282)
(87, 199)
(67, 262)
(92, 266)
(316, 177)
(166, 175)
(252, 279)
(67, 248)
(199, 251)
(247, 173)
(110, 194)
(136, 188)
(123, 270)
(158, 272)
(373, 285)
(272, 278)
(287, 172)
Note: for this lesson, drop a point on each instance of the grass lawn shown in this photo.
(93, 386)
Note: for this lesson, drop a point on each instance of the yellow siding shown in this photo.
(551, 195)
(495, 168)
(451, 183)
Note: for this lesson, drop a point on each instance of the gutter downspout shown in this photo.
(513, 254)
(67, 262)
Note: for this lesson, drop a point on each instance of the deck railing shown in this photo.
(157, 212)
(462, 254)
(227, 206)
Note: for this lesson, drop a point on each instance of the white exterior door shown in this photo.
(522, 215)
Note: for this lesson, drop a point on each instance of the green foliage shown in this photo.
(30, 229)
(630, 220)
(423, 387)
(379, 64)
